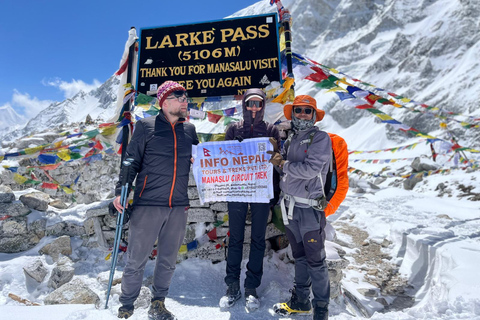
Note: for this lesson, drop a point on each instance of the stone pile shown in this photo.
(19, 233)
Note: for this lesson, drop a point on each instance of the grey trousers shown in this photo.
(306, 234)
(148, 224)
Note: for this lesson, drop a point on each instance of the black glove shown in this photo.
(112, 211)
(239, 138)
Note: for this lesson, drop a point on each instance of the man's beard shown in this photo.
(179, 113)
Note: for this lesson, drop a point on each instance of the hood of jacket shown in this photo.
(247, 114)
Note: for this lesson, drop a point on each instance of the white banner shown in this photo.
(233, 171)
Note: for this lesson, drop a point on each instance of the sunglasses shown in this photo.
(254, 104)
(179, 94)
(299, 110)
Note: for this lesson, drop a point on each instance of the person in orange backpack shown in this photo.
(305, 161)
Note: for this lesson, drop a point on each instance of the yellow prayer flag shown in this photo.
(218, 137)
(383, 116)
(64, 154)
(405, 100)
(282, 97)
(426, 136)
(108, 130)
(183, 249)
(282, 41)
(19, 179)
(344, 81)
(397, 105)
(334, 89)
(1, 158)
(198, 101)
(67, 190)
(35, 149)
(270, 92)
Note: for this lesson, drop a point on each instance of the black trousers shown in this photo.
(237, 215)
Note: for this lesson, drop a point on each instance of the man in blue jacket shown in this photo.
(161, 147)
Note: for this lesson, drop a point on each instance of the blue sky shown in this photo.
(52, 48)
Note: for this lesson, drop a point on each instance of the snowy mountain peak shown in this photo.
(98, 103)
(9, 119)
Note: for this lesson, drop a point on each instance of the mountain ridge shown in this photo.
(424, 50)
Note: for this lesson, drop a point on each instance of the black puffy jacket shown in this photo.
(256, 128)
(161, 153)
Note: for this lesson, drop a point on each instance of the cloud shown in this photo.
(70, 89)
(30, 106)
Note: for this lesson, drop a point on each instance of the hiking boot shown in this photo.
(125, 312)
(232, 295)
(295, 305)
(320, 311)
(251, 300)
(158, 311)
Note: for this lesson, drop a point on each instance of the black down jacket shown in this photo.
(161, 153)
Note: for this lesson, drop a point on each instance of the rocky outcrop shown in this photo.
(75, 292)
(36, 200)
(35, 271)
(6, 194)
(58, 247)
(61, 275)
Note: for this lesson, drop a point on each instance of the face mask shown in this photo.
(300, 125)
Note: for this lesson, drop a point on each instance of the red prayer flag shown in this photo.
(50, 166)
(212, 117)
(47, 185)
(372, 98)
(364, 106)
(318, 76)
(98, 146)
(212, 235)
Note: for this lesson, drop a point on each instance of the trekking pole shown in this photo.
(118, 231)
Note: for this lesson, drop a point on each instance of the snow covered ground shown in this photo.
(434, 240)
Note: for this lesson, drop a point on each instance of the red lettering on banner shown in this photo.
(261, 175)
(215, 179)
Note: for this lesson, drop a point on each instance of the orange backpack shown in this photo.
(336, 184)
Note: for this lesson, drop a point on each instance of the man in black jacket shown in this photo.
(161, 147)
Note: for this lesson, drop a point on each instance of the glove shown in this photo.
(273, 141)
(113, 212)
(238, 138)
(276, 159)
